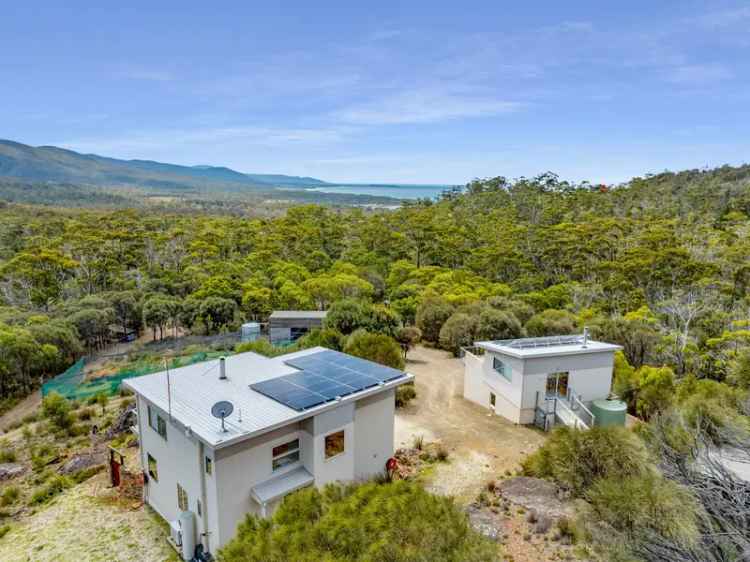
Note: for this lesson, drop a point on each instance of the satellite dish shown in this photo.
(221, 410)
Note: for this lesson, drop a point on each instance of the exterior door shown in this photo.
(557, 385)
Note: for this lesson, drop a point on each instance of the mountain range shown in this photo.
(50, 163)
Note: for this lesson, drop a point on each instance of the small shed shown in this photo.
(290, 325)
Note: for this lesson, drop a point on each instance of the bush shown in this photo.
(85, 414)
(7, 455)
(262, 346)
(637, 504)
(575, 459)
(57, 410)
(323, 337)
(552, 322)
(54, 486)
(405, 394)
(498, 325)
(389, 522)
(4, 530)
(457, 332)
(432, 313)
(10, 495)
(375, 347)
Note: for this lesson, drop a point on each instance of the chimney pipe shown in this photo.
(222, 368)
(585, 337)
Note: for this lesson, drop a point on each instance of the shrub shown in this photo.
(263, 347)
(656, 388)
(418, 442)
(396, 521)
(431, 315)
(457, 332)
(102, 400)
(552, 322)
(375, 347)
(4, 530)
(637, 504)
(30, 418)
(323, 337)
(405, 394)
(498, 325)
(408, 337)
(10, 495)
(54, 486)
(7, 455)
(576, 459)
(85, 414)
(442, 453)
(57, 410)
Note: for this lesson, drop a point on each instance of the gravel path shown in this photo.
(482, 445)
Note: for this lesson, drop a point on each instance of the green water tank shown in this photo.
(609, 412)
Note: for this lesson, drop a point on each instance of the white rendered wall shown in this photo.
(373, 433)
(177, 462)
(238, 469)
(590, 376)
(340, 467)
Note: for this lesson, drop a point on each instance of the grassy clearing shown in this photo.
(80, 524)
(45, 516)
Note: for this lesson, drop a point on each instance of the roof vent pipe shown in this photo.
(222, 368)
(585, 337)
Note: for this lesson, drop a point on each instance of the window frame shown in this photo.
(149, 461)
(504, 370)
(157, 422)
(328, 457)
(183, 502)
(289, 453)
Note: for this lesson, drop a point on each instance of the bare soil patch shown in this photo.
(482, 446)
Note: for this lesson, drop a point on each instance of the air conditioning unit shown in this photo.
(175, 532)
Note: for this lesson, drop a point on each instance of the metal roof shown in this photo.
(299, 314)
(195, 388)
(547, 346)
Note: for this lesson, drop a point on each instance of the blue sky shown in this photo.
(421, 92)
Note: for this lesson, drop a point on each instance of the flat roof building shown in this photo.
(540, 380)
(290, 325)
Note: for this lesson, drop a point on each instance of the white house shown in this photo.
(540, 380)
(301, 419)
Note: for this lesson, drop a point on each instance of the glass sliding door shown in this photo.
(557, 385)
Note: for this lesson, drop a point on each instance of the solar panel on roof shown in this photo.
(325, 376)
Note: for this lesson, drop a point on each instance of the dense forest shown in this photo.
(659, 265)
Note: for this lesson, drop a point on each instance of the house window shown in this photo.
(153, 472)
(209, 465)
(502, 368)
(334, 444)
(157, 423)
(492, 399)
(285, 454)
(182, 498)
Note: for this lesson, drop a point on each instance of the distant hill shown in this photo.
(50, 163)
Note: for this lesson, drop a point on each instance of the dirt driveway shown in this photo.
(482, 445)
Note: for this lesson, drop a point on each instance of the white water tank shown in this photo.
(187, 533)
(250, 331)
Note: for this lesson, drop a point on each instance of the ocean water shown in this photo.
(400, 191)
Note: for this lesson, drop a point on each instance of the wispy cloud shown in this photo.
(140, 142)
(424, 106)
(146, 74)
(699, 74)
